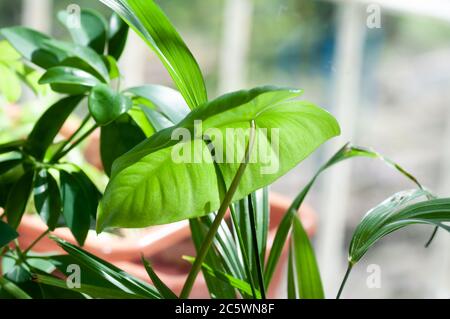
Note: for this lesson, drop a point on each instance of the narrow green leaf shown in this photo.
(18, 199)
(162, 288)
(395, 213)
(226, 278)
(117, 138)
(76, 81)
(78, 205)
(117, 36)
(47, 198)
(48, 126)
(113, 275)
(13, 146)
(7, 165)
(309, 284)
(291, 288)
(13, 289)
(151, 24)
(91, 31)
(348, 151)
(199, 228)
(7, 234)
(106, 105)
(92, 291)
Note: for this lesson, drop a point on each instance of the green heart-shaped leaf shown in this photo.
(142, 188)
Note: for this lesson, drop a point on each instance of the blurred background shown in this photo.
(382, 67)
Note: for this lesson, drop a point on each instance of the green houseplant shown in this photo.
(170, 155)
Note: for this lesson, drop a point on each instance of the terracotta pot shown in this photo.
(163, 245)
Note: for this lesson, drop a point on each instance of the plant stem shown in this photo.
(70, 139)
(74, 144)
(36, 241)
(347, 273)
(196, 267)
(256, 248)
(244, 254)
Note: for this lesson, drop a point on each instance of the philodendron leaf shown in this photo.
(152, 25)
(89, 30)
(106, 105)
(7, 234)
(117, 36)
(394, 213)
(287, 132)
(48, 126)
(47, 198)
(69, 80)
(18, 199)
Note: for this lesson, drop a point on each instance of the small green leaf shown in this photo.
(78, 205)
(91, 31)
(7, 234)
(48, 126)
(162, 288)
(117, 138)
(167, 100)
(18, 199)
(32, 46)
(106, 105)
(117, 36)
(47, 198)
(309, 283)
(113, 68)
(152, 25)
(75, 81)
